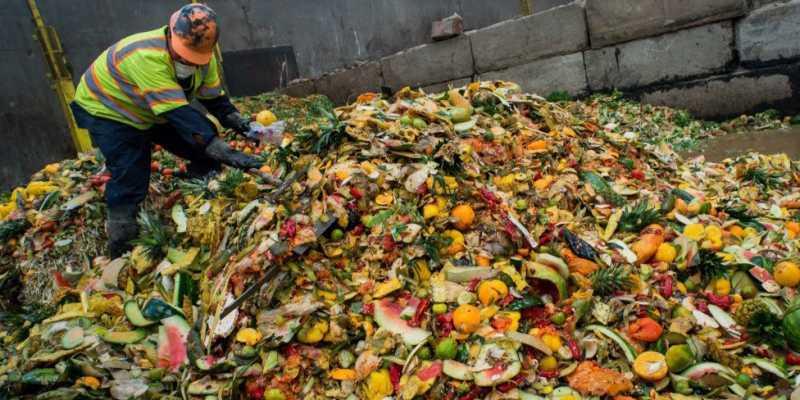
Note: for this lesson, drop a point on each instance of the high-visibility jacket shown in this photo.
(134, 82)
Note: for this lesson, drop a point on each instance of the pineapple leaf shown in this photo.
(233, 179)
(197, 187)
(153, 236)
(635, 218)
(606, 281)
(709, 264)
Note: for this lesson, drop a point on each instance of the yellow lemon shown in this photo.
(787, 274)
(266, 117)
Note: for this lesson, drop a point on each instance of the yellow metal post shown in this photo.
(60, 75)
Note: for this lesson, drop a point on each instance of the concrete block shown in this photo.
(299, 88)
(560, 73)
(761, 3)
(542, 5)
(770, 33)
(559, 30)
(683, 54)
(440, 87)
(447, 27)
(344, 86)
(726, 96)
(428, 64)
(615, 21)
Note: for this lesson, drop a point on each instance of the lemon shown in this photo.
(266, 118)
(787, 274)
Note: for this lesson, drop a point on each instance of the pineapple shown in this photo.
(637, 217)
(606, 281)
(153, 236)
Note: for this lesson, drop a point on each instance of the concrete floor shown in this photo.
(767, 142)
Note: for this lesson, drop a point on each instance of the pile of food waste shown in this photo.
(478, 243)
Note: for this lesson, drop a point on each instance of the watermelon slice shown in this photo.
(172, 336)
(388, 316)
(497, 363)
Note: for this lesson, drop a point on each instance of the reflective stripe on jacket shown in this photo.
(134, 82)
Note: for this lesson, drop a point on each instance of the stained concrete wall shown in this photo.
(32, 129)
(716, 58)
(325, 35)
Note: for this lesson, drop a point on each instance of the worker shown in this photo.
(137, 94)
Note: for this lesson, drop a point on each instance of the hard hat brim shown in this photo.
(191, 55)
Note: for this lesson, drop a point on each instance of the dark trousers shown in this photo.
(127, 152)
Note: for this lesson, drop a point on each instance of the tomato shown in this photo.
(157, 147)
(638, 174)
(155, 166)
(167, 172)
(793, 358)
(645, 329)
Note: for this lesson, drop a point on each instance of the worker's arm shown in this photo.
(166, 99)
(226, 113)
(195, 128)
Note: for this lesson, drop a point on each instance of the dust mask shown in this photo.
(183, 71)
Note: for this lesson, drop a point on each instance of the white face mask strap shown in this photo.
(184, 71)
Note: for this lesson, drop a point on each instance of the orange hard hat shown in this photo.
(194, 33)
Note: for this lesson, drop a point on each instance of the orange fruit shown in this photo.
(456, 241)
(492, 291)
(467, 318)
(651, 366)
(463, 216)
(537, 145)
(483, 261)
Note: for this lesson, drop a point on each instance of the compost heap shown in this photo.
(477, 243)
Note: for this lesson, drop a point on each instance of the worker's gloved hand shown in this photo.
(237, 122)
(220, 151)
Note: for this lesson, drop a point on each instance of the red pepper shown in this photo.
(444, 323)
(422, 308)
(422, 189)
(666, 286)
(356, 193)
(358, 230)
(574, 349)
(512, 384)
(288, 229)
(510, 228)
(548, 374)
(475, 393)
(292, 349)
(395, 372)
(388, 243)
(638, 174)
(60, 281)
(792, 358)
(491, 200)
(255, 387)
(701, 305)
(723, 302)
(368, 309)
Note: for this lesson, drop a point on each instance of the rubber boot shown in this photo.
(121, 228)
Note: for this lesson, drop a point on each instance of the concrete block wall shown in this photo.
(716, 58)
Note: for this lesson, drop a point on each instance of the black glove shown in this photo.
(220, 151)
(237, 122)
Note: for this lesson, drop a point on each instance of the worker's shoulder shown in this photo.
(151, 42)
